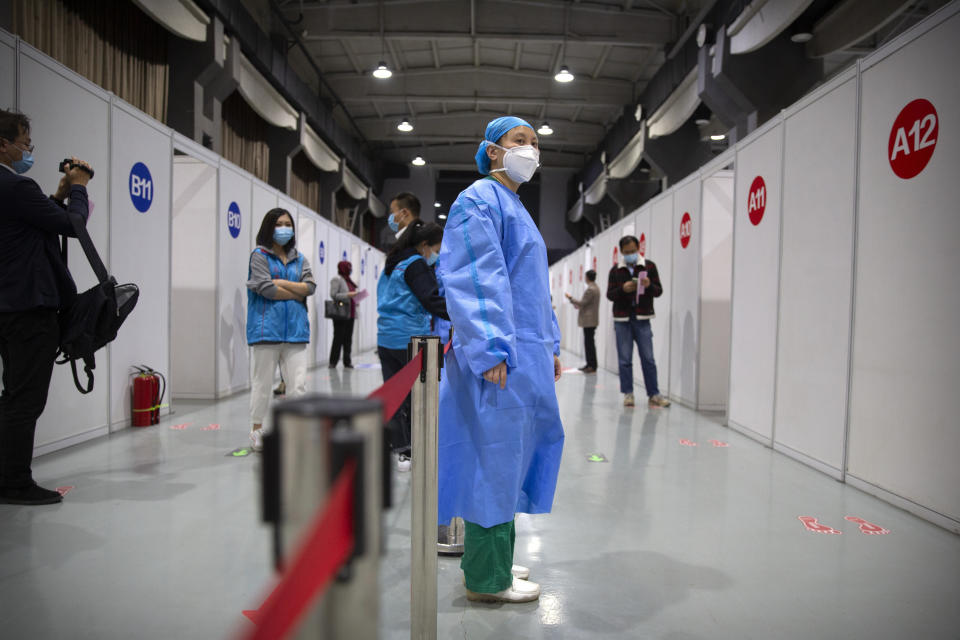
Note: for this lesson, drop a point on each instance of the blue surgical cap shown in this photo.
(496, 130)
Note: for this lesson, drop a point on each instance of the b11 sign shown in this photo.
(141, 187)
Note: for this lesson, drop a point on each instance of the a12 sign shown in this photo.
(913, 138)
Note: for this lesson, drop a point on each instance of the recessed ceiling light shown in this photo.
(405, 126)
(718, 136)
(418, 162)
(436, 205)
(801, 36)
(701, 122)
(564, 75)
(382, 71)
(545, 129)
(442, 216)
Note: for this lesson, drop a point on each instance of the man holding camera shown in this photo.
(34, 284)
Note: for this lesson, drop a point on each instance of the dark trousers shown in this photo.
(638, 331)
(391, 361)
(28, 346)
(590, 347)
(342, 338)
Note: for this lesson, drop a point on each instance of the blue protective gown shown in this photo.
(499, 449)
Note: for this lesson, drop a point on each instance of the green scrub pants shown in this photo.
(488, 556)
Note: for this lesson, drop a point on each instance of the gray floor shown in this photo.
(160, 538)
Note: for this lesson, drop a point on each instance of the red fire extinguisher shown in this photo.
(149, 387)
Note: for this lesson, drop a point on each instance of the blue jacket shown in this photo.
(400, 314)
(271, 321)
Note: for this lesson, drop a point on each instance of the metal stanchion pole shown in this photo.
(425, 398)
(312, 435)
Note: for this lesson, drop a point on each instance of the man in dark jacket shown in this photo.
(632, 288)
(34, 283)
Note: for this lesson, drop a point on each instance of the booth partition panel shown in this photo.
(69, 416)
(608, 254)
(263, 199)
(306, 239)
(686, 237)
(233, 212)
(904, 404)
(320, 259)
(756, 266)
(140, 183)
(816, 277)
(193, 271)
(660, 246)
(8, 70)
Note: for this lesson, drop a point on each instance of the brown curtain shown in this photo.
(305, 182)
(112, 43)
(245, 137)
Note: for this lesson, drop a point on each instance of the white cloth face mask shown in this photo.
(519, 163)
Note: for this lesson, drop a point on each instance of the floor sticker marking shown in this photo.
(719, 444)
(240, 453)
(597, 457)
(812, 525)
(687, 443)
(212, 427)
(868, 528)
(180, 427)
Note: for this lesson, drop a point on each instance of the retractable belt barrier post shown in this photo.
(425, 398)
(315, 438)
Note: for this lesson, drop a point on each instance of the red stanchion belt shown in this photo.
(323, 549)
(394, 391)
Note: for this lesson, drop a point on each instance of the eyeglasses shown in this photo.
(28, 148)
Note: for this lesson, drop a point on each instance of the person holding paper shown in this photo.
(632, 287)
(343, 289)
(407, 295)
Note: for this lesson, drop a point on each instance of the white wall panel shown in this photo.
(8, 71)
(69, 416)
(263, 199)
(233, 359)
(139, 247)
(815, 277)
(306, 239)
(906, 356)
(608, 255)
(685, 311)
(193, 273)
(363, 310)
(715, 279)
(756, 264)
(660, 245)
(321, 260)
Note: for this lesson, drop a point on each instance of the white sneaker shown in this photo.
(520, 571)
(519, 591)
(628, 400)
(256, 440)
(403, 462)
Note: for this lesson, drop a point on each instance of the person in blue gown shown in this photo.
(501, 438)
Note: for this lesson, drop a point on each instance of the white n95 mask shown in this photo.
(519, 163)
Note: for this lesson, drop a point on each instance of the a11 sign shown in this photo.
(913, 138)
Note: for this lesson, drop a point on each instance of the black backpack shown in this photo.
(93, 318)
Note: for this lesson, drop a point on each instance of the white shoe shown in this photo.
(256, 440)
(520, 571)
(519, 591)
(403, 462)
(628, 400)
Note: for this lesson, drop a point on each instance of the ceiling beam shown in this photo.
(587, 128)
(348, 49)
(598, 40)
(421, 72)
(585, 7)
(518, 52)
(545, 141)
(600, 62)
(501, 100)
(436, 54)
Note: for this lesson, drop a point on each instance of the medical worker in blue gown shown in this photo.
(500, 431)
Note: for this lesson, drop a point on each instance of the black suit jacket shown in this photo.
(32, 273)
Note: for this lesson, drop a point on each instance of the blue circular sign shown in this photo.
(376, 272)
(363, 266)
(321, 252)
(141, 187)
(233, 219)
(344, 255)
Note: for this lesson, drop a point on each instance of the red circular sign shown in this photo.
(581, 273)
(594, 263)
(643, 244)
(686, 229)
(616, 255)
(913, 138)
(571, 276)
(757, 200)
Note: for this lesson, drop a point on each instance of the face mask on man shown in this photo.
(519, 163)
(392, 221)
(282, 235)
(631, 258)
(24, 163)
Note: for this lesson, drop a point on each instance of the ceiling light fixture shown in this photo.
(545, 129)
(718, 136)
(382, 71)
(564, 75)
(436, 205)
(418, 162)
(442, 216)
(405, 126)
(701, 122)
(801, 36)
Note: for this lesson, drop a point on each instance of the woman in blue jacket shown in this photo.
(407, 295)
(278, 325)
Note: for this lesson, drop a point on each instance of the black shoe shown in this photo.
(348, 366)
(588, 370)
(583, 368)
(332, 365)
(33, 494)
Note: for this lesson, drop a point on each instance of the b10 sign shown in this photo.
(757, 200)
(913, 138)
(233, 219)
(686, 229)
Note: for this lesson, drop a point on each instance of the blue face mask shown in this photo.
(631, 258)
(24, 163)
(392, 221)
(432, 259)
(282, 235)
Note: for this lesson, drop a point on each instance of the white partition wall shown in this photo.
(756, 267)
(71, 417)
(687, 236)
(903, 440)
(320, 259)
(263, 199)
(608, 253)
(816, 276)
(140, 185)
(8, 70)
(660, 245)
(233, 212)
(193, 302)
(306, 239)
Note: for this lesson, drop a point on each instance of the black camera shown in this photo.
(70, 164)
